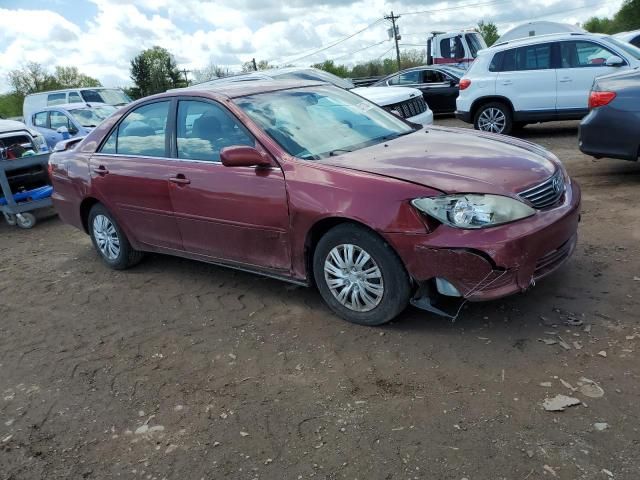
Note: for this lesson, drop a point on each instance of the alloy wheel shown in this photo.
(354, 278)
(492, 120)
(106, 237)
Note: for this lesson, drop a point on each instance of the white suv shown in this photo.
(538, 79)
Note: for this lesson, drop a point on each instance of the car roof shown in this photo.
(64, 90)
(226, 90)
(72, 106)
(543, 39)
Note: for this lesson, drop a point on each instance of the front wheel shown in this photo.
(110, 241)
(494, 117)
(359, 276)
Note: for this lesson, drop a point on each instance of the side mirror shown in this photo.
(62, 130)
(614, 61)
(243, 156)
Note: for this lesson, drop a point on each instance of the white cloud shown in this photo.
(230, 32)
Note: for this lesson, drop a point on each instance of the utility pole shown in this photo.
(255, 67)
(393, 19)
(186, 79)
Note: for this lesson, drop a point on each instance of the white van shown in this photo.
(38, 101)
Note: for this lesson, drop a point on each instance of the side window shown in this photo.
(56, 98)
(205, 128)
(58, 119)
(496, 62)
(508, 61)
(110, 145)
(74, 97)
(534, 57)
(635, 41)
(432, 76)
(40, 119)
(445, 48)
(142, 132)
(579, 54)
(407, 78)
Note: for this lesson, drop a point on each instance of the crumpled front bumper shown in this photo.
(492, 263)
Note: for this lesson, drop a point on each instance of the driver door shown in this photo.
(234, 214)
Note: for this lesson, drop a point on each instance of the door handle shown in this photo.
(180, 180)
(565, 80)
(101, 170)
(507, 82)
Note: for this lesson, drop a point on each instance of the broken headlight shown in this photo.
(473, 210)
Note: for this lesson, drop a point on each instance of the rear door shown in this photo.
(527, 78)
(130, 175)
(237, 214)
(581, 61)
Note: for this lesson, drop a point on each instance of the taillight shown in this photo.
(600, 99)
(464, 83)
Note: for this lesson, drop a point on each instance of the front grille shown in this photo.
(547, 193)
(408, 108)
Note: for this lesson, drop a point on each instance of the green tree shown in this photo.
(261, 64)
(70, 77)
(209, 72)
(154, 71)
(31, 78)
(627, 18)
(489, 32)
(331, 67)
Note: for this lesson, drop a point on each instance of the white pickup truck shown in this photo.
(405, 102)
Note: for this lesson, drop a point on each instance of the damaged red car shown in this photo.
(315, 185)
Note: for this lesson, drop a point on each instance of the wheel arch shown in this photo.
(321, 227)
(85, 207)
(489, 99)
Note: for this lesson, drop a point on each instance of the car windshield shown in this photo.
(317, 122)
(627, 47)
(91, 117)
(108, 96)
(474, 43)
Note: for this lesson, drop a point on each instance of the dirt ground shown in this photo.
(182, 370)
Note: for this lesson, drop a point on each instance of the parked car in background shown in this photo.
(72, 120)
(538, 79)
(405, 102)
(539, 27)
(37, 101)
(631, 37)
(17, 133)
(612, 128)
(309, 183)
(439, 85)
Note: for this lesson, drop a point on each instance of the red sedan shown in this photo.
(315, 185)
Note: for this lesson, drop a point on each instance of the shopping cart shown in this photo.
(24, 187)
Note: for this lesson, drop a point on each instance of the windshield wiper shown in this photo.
(335, 152)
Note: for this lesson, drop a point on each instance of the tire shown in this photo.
(110, 241)
(494, 117)
(367, 301)
(26, 220)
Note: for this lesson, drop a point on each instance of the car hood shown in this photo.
(11, 126)
(387, 95)
(455, 160)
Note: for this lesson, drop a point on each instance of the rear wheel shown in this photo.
(359, 276)
(110, 241)
(494, 117)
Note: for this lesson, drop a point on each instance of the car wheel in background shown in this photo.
(110, 241)
(359, 276)
(494, 117)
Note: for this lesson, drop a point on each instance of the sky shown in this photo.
(100, 37)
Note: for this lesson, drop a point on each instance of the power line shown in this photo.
(456, 7)
(331, 45)
(360, 49)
